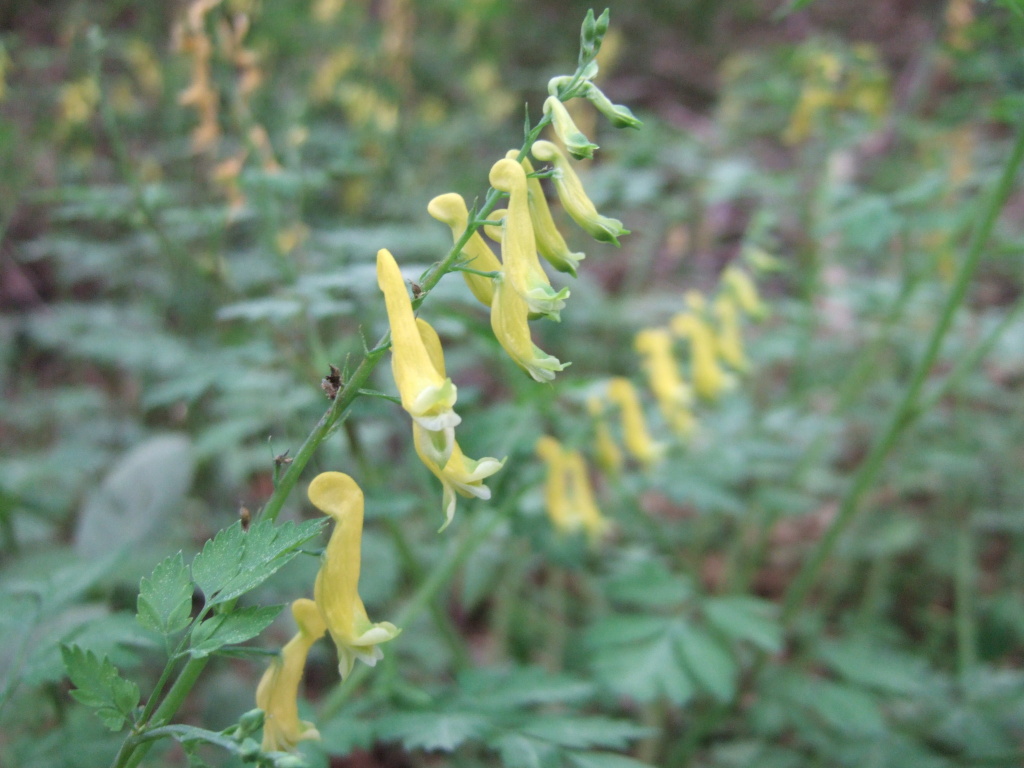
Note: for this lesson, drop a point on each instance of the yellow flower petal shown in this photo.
(337, 584)
(550, 243)
(609, 457)
(638, 440)
(451, 209)
(426, 395)
(708, 377)
(729, 338)
(672, 393)
(278, 690)
(739, 283)
(575, 141)
(509, 321)
(519, 246)
(582, 497)
(574, 198)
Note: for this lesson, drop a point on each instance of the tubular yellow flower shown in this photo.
(574, 198)
(519, 246)
(582, 497)
(337, 583)
(708, 377)
(550, 243)
(579, 146)
(729, 338)
(509, 314)
(672, 393)
(638, 440)
(278, 691)
(555, 501)
(427, 396)
(442, 454)
(451, 209)
(494, 229)
(609, 457)
(739, 283)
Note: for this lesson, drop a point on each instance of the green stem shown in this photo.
(966, 631)
(907, 410)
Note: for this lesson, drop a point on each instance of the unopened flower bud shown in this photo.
(579, 146)
(619, 115)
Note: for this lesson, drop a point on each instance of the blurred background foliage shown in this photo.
(191, 195)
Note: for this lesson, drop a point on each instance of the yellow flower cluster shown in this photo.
(337, 609)
(833, 84)
(568, 495)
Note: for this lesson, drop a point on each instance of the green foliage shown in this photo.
(230, 628)
(100, 686)
(165, 597)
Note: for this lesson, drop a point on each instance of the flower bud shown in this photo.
(579, 146)
(451, 209)
(619, 115)
(574, 198)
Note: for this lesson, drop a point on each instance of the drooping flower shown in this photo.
(728, 336)
(509, 321)
(550, 243)
(574, 198)
(568, 497)
(739, 283)
(337, 584)
(609, 457)
(278, 690)
(519, 246)
(457, 473)
(672, 393)
(708, 377)
(575, 141)
(451, 209)
(638, 440)
(619, 115)
(426, 395)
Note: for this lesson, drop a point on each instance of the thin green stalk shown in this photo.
(908, 408)
(966, 629)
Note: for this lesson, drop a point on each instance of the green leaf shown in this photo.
(99, 686)
(604, 760)
(746, 618)
(518, 751)
(165, 597)
(648, 583)
(143, 489)
(236, 561)
(708, 662)
(870, 664)
(231, 628)
(509, 689)
(584, 732)
(647, 670)
(432, 731)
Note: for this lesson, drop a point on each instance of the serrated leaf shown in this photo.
(842, 707)
(231, 628)
(236, 561)
(870, 665)
(645, 671)
(746, 618)
(99, 686)
(707, 660)
(604, 760)
(585, 732)
(165, 597)
(433, 731)
(519, 687)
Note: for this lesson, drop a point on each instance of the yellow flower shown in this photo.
(574, 198)
(278, 691)
(426, 395)
(337, 583)
(708, 377)
(451, 209)
(739, 283)
(729, 338)
(568, 496)
(672, 393)
(609, 457)
(519, 246)
(509, 315)
(550, 243)
(442, 454)
(638, 440)
(579, 146)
